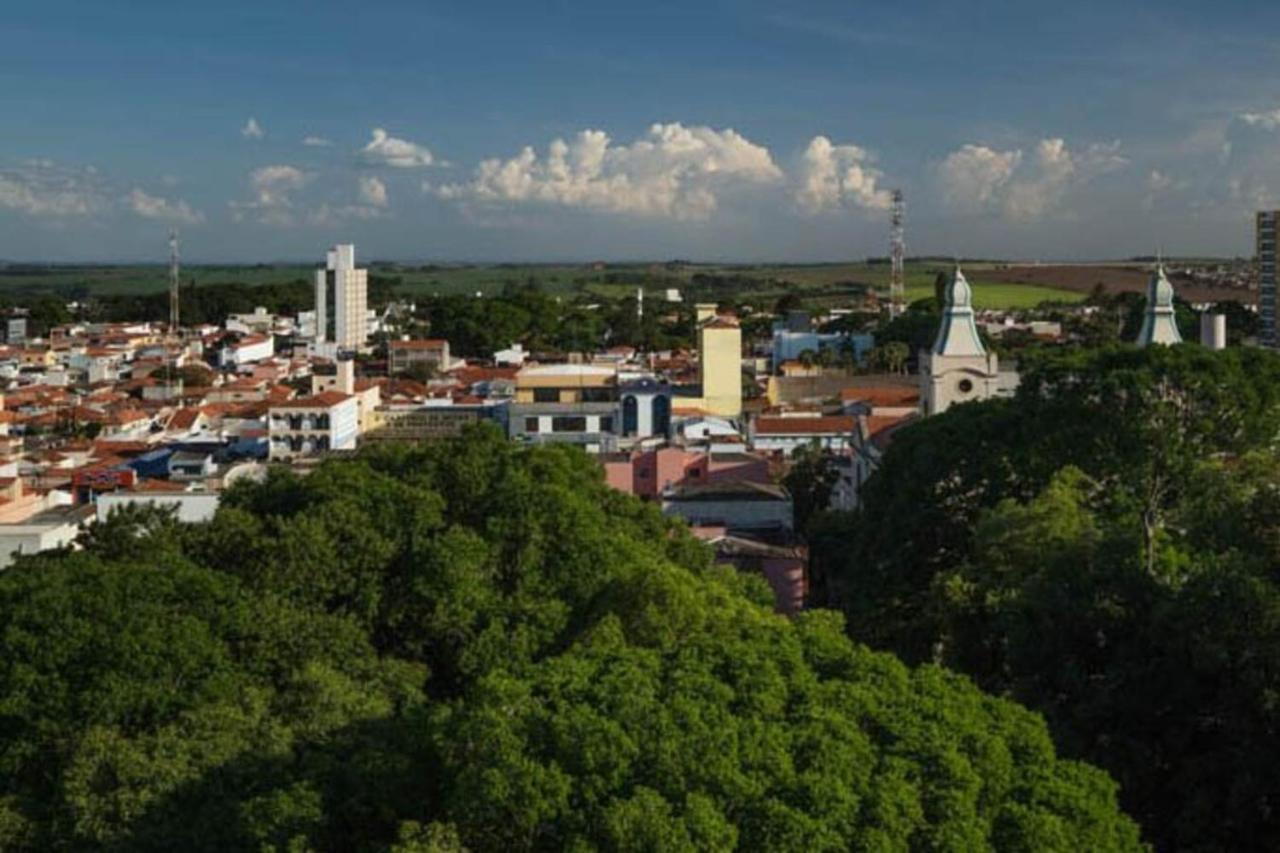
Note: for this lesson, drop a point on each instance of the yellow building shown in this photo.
(719, 363)
(567, 383)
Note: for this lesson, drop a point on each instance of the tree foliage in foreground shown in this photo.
(1104, 549)
(474, 646)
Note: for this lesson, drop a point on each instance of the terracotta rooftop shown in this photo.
(881, 396)
(184, 418)
(426, 344)
(805, 426)
(324, 400)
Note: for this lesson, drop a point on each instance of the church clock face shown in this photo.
(964, 386)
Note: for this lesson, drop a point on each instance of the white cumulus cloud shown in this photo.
(373, 191)
(272, 189)
(672, 171)
(252, 130)
(155, 207)
(316, 142)
(973, 175)
(1269, 120)
(1158, 181)
(386, 150)
(1029, 198)
(836, 175)
(978, 178)
(45, 189)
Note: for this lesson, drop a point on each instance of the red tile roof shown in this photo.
(881, 396)
(426, 344)
(804, 426)
(184, 418)
(323, 400)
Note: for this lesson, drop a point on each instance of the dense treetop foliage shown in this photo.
(476, 646)
(1102, 548)
(527, 314)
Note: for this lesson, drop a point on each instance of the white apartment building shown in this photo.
(342, 312)
(327, 421)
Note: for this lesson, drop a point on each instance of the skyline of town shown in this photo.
(681, 426)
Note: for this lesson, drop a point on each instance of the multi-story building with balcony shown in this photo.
(311, 425)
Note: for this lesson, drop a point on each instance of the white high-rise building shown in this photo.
(342, 316)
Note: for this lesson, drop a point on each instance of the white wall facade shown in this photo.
(192, 506)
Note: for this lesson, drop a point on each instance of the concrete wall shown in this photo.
(192, 506)
(736, 515)
(26, 539)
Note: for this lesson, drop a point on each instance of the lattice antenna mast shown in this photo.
(173, 283)
(897, 255)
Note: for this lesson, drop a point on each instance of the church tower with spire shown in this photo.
(958, 368)
(1160, 323)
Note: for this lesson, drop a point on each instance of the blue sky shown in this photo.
(745, 130)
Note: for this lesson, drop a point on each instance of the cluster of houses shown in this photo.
(95, 417)
(98, 416)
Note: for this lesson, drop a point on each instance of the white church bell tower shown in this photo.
(1160, 323)
(958, 368)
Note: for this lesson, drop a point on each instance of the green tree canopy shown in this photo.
(1100, 548)
(477, 646)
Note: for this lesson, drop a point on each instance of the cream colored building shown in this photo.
(719, 364)
(342, 310)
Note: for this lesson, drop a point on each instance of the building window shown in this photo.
(606, 423)
(965, 386)
(530, 424)
(569, 423)
(661, 415)
(630, 419)
(546, 395)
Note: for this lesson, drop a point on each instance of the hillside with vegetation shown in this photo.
(1103, 549)
(477, 646)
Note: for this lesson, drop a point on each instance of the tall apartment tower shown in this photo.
(1268, 223)
(342, 317)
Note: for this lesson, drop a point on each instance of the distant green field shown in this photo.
(1000, 295)
(760, 285)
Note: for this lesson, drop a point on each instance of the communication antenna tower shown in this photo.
(897, 255)
(173, 283)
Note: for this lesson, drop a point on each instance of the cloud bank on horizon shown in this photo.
(576, 133)
(693, 175)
